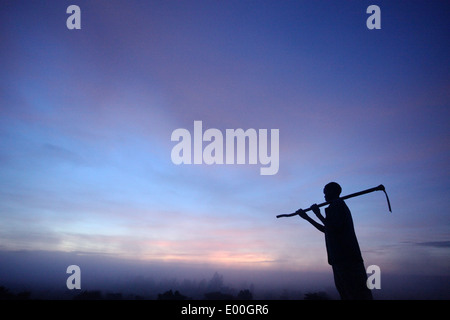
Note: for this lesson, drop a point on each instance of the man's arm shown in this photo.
(338, 215)
(315, 208)
(303, 215)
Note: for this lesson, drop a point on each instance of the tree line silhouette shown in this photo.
(6, 294)
(214, 289)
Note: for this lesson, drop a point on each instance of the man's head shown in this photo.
(332, 191)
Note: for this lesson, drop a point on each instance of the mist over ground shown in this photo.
(43, 275)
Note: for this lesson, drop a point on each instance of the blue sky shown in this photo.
(87, 116)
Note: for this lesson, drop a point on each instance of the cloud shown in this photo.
(435, 244)
(60, 153)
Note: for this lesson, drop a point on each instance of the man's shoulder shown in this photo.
(339, 205)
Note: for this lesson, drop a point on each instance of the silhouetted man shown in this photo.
(343, 251)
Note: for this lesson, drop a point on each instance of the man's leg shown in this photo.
(339, 282)
(351, 281)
